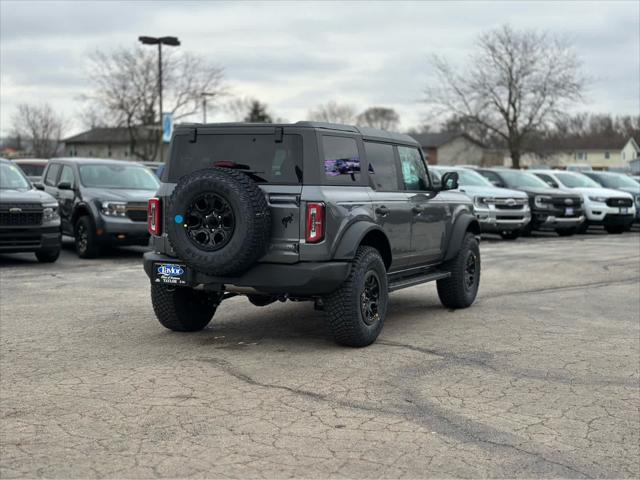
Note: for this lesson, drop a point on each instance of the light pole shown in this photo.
(169, 41)
(204, 104)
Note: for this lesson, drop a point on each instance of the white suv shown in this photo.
(602, 206)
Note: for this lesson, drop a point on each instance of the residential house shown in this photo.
(455, 148)
(110, 142)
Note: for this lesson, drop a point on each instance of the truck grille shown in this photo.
(510, 203)
(137, 211)
(20, 214)
(619, 202)
(564, 202)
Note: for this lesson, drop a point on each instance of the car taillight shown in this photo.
(154, 217)
(315, 222)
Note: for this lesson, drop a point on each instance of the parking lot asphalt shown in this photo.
(539, 378)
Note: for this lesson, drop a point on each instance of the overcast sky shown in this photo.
(295, 55)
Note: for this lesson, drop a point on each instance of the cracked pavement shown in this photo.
(540, 378)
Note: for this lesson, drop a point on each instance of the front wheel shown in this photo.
(183, 309)
(460, 289)
(357, 309)
(48, 256)
(85, 238)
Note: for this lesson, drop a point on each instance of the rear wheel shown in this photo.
(356, 311)
(183, 309)
(566, 232)
(460, 289)
(85, 238)
(510, 234)
(48, 256)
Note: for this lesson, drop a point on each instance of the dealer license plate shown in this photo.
(170, 273)
(568, 212)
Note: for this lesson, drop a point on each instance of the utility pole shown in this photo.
(172, 42)
(204, 104)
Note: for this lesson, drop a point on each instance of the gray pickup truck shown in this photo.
(334, 214)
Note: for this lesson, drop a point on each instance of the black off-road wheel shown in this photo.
(356, 311)
(182, 309)
(460, 289)
(48, 256)
(219, 221)
(510, 234)
(85, 238)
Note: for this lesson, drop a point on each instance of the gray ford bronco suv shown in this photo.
(334, 214)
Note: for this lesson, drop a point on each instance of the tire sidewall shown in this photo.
(471, 247)
(371, 262)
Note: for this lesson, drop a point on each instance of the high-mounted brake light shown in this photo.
(154, 217)
(315, 222)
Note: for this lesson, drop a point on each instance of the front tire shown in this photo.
(182, 309)
(48, 256)
(356, 311)
(85, 238)
(460, 289)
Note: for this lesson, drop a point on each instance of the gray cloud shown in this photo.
(297, 55)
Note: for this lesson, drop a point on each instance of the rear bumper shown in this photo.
(298, 279)
(29, 239)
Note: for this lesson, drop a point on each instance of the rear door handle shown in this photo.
(382, 211)
(417, 210)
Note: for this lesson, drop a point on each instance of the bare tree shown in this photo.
(333, 112)
(41, 126)
(516, 83)
(379, 117)
(126, 89)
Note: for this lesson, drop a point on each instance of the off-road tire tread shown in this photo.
(174, 311)
(343, 313)
(259, 227)
(451, 290)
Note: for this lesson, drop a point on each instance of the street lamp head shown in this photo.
(149, 40)
(171, 41)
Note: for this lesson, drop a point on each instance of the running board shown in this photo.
(406, 282)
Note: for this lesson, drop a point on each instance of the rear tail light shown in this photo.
(154, 217)
(315, 222)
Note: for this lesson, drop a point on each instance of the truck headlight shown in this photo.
(50, 212)
(542, 201)
(483, 202)
(114, 209)
(598, 199)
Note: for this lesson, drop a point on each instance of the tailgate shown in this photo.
(284, 202)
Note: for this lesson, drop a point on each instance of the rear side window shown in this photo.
(52, 174)
(341, 160)
(265, 160)
(383, 171)
(414, 173)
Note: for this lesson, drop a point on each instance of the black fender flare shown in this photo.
(464, 223)
(348, 244)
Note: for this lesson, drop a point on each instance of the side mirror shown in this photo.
(64, 186)
(449, 181)
(38, 186)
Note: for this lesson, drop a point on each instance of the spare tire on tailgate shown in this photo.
(218, 221)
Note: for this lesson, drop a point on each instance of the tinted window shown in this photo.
(414, 173)
(383, 171)
(341, 159)
(67, 175)
(52, 174)
(260, 155)
(31, 169)
(118, 176)
(547, 179)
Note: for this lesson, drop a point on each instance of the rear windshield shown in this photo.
(32, 170)
(264, 159)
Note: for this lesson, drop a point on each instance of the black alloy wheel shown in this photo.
(370, 298)
(470, 270)
(210, 222)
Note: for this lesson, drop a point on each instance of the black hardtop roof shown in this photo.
(366, 132)
(94, 161)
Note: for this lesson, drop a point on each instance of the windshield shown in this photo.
(118, 176)
(615, 180)
(32, 169)
(573, 181)
(516, 179)
(12, 178)
(264, 157)
(467, 178)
